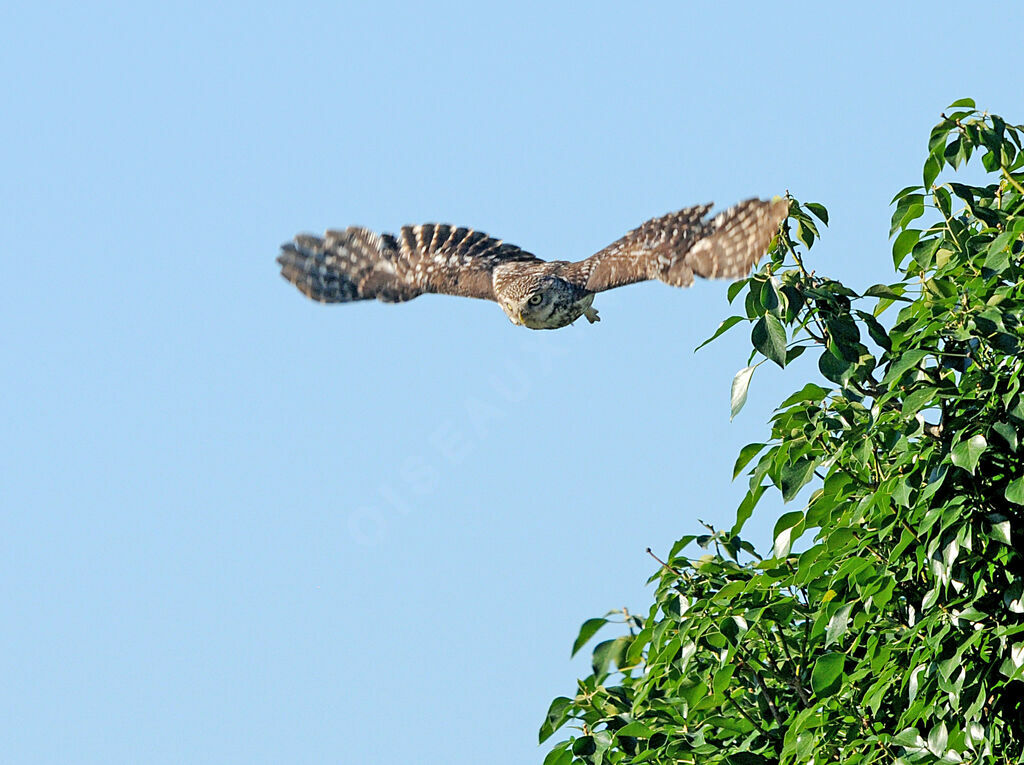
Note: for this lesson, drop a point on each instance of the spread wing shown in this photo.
(676, 246)
(358, 264)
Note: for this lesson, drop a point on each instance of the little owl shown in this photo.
(357, 264)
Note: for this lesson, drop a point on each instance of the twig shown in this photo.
(750, 719)
(745, 663)
(1012, 180)
(629, 619)
(663, 563)
(800, 691)
(764, 692)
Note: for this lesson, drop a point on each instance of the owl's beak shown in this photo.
(519, 315)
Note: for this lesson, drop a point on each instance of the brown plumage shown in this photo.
(357, 264)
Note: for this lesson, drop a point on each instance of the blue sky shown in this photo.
(238, 526)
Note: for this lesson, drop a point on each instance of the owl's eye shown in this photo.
(536, 299)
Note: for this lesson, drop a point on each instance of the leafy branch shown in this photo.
(896, 632)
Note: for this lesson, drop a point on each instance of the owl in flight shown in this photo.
(357, 264)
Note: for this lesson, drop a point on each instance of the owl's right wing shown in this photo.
(358, 264)
(676, 246)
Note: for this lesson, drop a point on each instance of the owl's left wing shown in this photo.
(676, 246)
(359, 264)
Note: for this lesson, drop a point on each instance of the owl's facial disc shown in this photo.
(540, 303)
(534, 311)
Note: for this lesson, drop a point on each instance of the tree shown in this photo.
(896, 633)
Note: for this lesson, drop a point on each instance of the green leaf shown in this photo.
(909, 737)
(967, 453)
(608, 653)
(997, 260)
(1015, 491)
(876, 330)
(1008, 433)
(827, 673)
(903, 245)
(805, 232)
(795, 475)
(770, 296)
(795, 352)
(693, 691)
(723, 677)
(635, 729)
(997, 256)
(769, 337)
(924, 252)
(818, 210)
(932, 166)
(962, 102)
(1001, 532)
(954, 152)
(909, 359)
(838, 624)
(735, 288)
(752, 302)
(833, 368)
(584, 745)
(910, 208)
(738, 396)
(963, 191)
(559, 757)
(558, 713)
(587, 631)
(785, 529)
(747, 453)
(935, 480)
(905, 192)
(887, 291)
(745, 758)
(746, 508)
(938, 137)
(733, 627)
(724, 327)
(975, 733)
(917, 400)
(938, 737)
(810, 392)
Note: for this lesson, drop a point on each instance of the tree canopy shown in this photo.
(886, 623)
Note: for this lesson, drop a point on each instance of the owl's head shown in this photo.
(545, 302)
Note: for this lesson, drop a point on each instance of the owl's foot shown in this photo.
(591, 314)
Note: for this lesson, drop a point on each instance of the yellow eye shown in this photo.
(536, 299)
